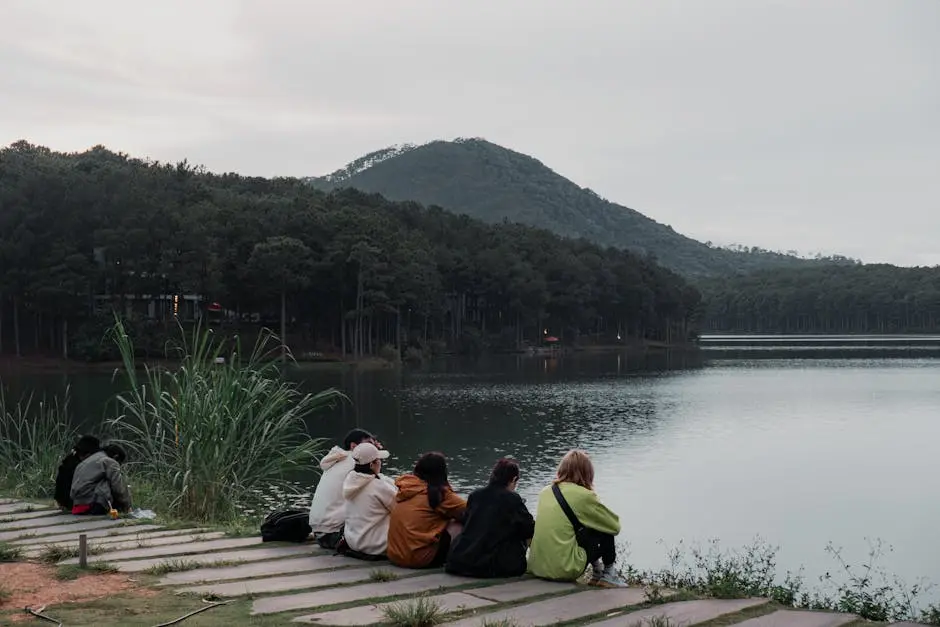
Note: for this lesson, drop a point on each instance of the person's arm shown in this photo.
(595, 515)
(119, 491)
(522, 521)
(452, 506)
(386, 495)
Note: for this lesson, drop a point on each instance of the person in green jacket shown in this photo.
(559, 553)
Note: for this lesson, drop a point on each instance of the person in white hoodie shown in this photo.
(327, 510)
(370, 497)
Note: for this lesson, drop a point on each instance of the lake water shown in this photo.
(837, 446)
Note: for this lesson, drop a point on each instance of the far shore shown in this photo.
(44, 364)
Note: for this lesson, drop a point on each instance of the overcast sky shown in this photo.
(791, 124)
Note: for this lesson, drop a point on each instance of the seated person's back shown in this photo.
(99, 485)
(496, 527)
(418, 535)
(327, 509)
(86, 445)
(370, 497)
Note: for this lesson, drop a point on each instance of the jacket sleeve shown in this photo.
(522, 521)
(595, 515)
(119, 491)
(387, 493)
(452, 506)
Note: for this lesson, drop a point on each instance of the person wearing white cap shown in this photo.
(370, 497)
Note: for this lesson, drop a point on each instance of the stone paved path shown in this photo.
(307, 585)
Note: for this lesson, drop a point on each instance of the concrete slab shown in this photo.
(333, 596)
(265, 569)
(37, 514)
(293, 582)
(45, 519)
(98, 533)
(797, 618)
(681, 613)
(563, 609)
(374, 614)
(246, 555)
(524, 589)
(127, 543)
(185, 548)
(20, 506)
(907, 624)
(91, 525)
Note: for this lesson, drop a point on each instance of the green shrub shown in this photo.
(206, 435)
(390, 354)
(419, 612)
(34, 436)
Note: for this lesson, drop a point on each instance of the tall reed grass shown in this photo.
(204, 435)
(34, 437)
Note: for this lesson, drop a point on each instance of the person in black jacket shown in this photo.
(497, 529)
(86, 445)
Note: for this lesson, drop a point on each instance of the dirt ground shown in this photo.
(35, 585)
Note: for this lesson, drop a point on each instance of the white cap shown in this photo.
(366, 453)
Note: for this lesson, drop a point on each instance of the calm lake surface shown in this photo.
(798, 446)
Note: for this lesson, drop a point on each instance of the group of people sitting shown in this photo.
(418, 521)
(89, 480)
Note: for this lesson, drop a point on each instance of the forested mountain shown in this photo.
(492, 183)
(841, 299)
(82, 234)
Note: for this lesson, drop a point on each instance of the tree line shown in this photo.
(875, 298)
(83, 235)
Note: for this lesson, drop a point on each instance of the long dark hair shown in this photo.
(432, 469)
(504, 472)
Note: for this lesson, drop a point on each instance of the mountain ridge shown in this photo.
(493, 183)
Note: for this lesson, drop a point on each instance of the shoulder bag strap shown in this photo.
(566, 508)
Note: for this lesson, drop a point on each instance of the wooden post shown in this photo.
(83, 551)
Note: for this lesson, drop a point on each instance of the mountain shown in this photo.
(495, 184)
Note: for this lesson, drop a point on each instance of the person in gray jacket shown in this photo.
(98, 483)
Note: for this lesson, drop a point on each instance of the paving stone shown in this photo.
(681, 612)
(19, 506)
(563, 609)
(373, 614)
(293, 582)
(39, 514)
(907, 624)
(189, 548)
(127, 542)
(45, 519)
(98, 533)
(264, 569)
(796, 618)
(246, 555)
(515, 590)
(91, 525)
(305, 600)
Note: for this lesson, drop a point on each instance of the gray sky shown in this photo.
(791, 124)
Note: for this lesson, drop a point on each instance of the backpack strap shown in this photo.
(567, 509)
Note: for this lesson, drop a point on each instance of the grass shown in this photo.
(55, 553)
(499, 622)
(210, 433)
(10, 552)
(419, 612)
(380, 575)
(655, 621)
(182, 565)
(34, 436)
(68, 572)
(864, 590)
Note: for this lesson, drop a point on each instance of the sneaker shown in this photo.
(607, 578)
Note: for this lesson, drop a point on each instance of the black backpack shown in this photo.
(292, 525)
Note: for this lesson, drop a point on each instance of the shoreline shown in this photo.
(41, 364)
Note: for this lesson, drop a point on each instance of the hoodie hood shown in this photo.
(332, 458)
(355, 482)
(409, 486)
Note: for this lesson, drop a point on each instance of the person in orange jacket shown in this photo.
(426, 517)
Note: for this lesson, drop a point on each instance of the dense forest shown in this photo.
(833, 299)
(495, 184)
(85, 235)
